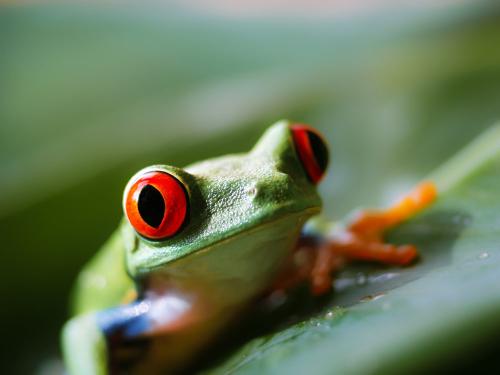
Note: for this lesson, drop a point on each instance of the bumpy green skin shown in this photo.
(246, 212)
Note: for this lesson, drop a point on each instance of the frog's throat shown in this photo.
(288, 226)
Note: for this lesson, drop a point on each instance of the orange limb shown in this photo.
(354, 247)
(325, 264)
(362, 240)
(372, 224)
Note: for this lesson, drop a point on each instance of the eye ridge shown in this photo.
(151, 205)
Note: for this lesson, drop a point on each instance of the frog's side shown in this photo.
(245, 214)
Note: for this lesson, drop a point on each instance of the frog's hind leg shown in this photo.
(362, 239)
(316, 259)
(354, 247)
(310, 261)
(371, 225)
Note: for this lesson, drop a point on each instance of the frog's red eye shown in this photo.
(156, 205)
(312, 151)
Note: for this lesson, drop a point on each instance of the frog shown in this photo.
(199, 245)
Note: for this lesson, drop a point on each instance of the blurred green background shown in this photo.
(91, 93)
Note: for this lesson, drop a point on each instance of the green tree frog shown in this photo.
(200, 244)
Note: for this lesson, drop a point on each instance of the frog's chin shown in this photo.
(259, 246)
(237, 267)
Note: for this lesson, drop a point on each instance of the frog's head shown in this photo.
(174, 213)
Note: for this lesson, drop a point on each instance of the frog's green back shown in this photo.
(104, 281)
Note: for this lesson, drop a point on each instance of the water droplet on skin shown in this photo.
(252, 191)
(483, 255)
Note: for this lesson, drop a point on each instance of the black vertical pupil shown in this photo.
(151, 206)
(319, 149)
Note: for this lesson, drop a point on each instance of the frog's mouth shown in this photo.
(237, 267)
(145, 258)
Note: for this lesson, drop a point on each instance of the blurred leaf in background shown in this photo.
(89, 94)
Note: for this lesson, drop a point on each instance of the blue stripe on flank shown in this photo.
(311, 233)
(129, 321)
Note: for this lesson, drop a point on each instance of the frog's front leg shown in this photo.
(103, 342)
(84, 346)
(316, 258)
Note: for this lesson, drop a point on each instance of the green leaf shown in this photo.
(405, 320)
(91, 94)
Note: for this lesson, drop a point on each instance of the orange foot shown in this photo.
(362, 240)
